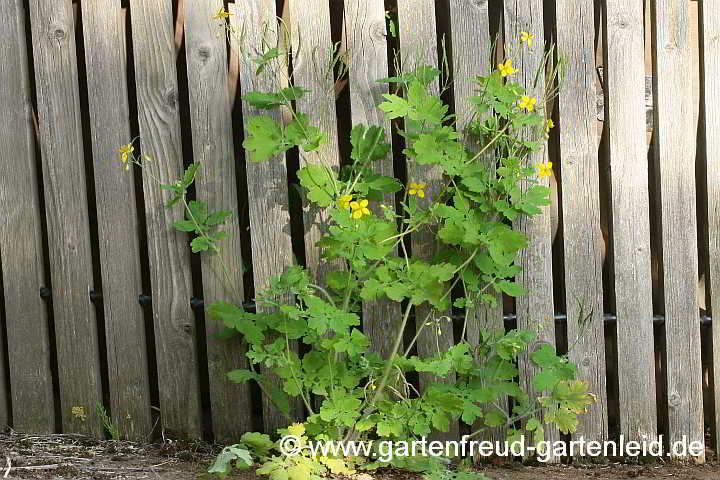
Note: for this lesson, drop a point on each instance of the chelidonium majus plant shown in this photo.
(483, 184)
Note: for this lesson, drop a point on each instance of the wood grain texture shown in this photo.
(364, 35)
(170, 276)
(624, 81)
(312, 68)
(583, 243)
(105, 58)
(311, 43)
(418, 47)
(61, 144)
(535, 311)
(470, 27)
(267, 181)
(206, 52)
(674, 158)
(21, 250)
(710, 156)
(5, 390)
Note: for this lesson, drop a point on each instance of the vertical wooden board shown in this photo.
(365, 41)
(21, 236)
(170, 276)
(312, 68)
(309, 23)
(61, 143)
(471, 53)
(710, 156)
(674, 150)
(624, 80)
(583, 241)
(205, 47)
(256, 26)
(418, 47)
(470, 27)
(105, 57)
(535, 311)
(5, 390)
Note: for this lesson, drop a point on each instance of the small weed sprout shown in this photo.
(110, 427)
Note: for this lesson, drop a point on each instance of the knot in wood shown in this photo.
(674, 399)
(621, 22)
(204, 53)
(479, 3)
(170, 97)
(57, 32)
(377, 30)
(586, 362)
(187, 328)
(671, 46)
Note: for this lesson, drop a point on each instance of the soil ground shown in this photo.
(80, 458)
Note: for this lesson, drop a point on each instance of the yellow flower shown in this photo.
(359, 209)
(528, 103)
(222, 14)
(125, 151)
(344, 202)
(296, 429)
(418, 189)
(549, 125)
(527, 37)
(79, 413)
(544, 169)
(506, 68)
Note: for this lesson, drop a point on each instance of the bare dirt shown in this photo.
(79, 458)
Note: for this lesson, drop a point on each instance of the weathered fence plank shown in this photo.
(105, 58)
(365, 41)
(535, 311)
(709, 157)
(470, 27)
(418, 47)
(21, 247)
(312, 50)
(61, 143)
(5, 390)
(674, 150)
(313, 63)
(206, 52)
(256, 25)
(583, 245)
(170, 276)
(624, 80)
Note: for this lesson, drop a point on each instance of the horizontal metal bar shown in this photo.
(199, 304)
(510, 317)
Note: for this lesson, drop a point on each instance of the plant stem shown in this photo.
(323, 291)
(417, 334)
(297, 382)
(389, 364)
(348, 288)
(215, 249)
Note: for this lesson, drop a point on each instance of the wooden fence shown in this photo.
(102, 301)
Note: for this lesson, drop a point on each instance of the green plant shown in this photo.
(111, 427)
(483, 184)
